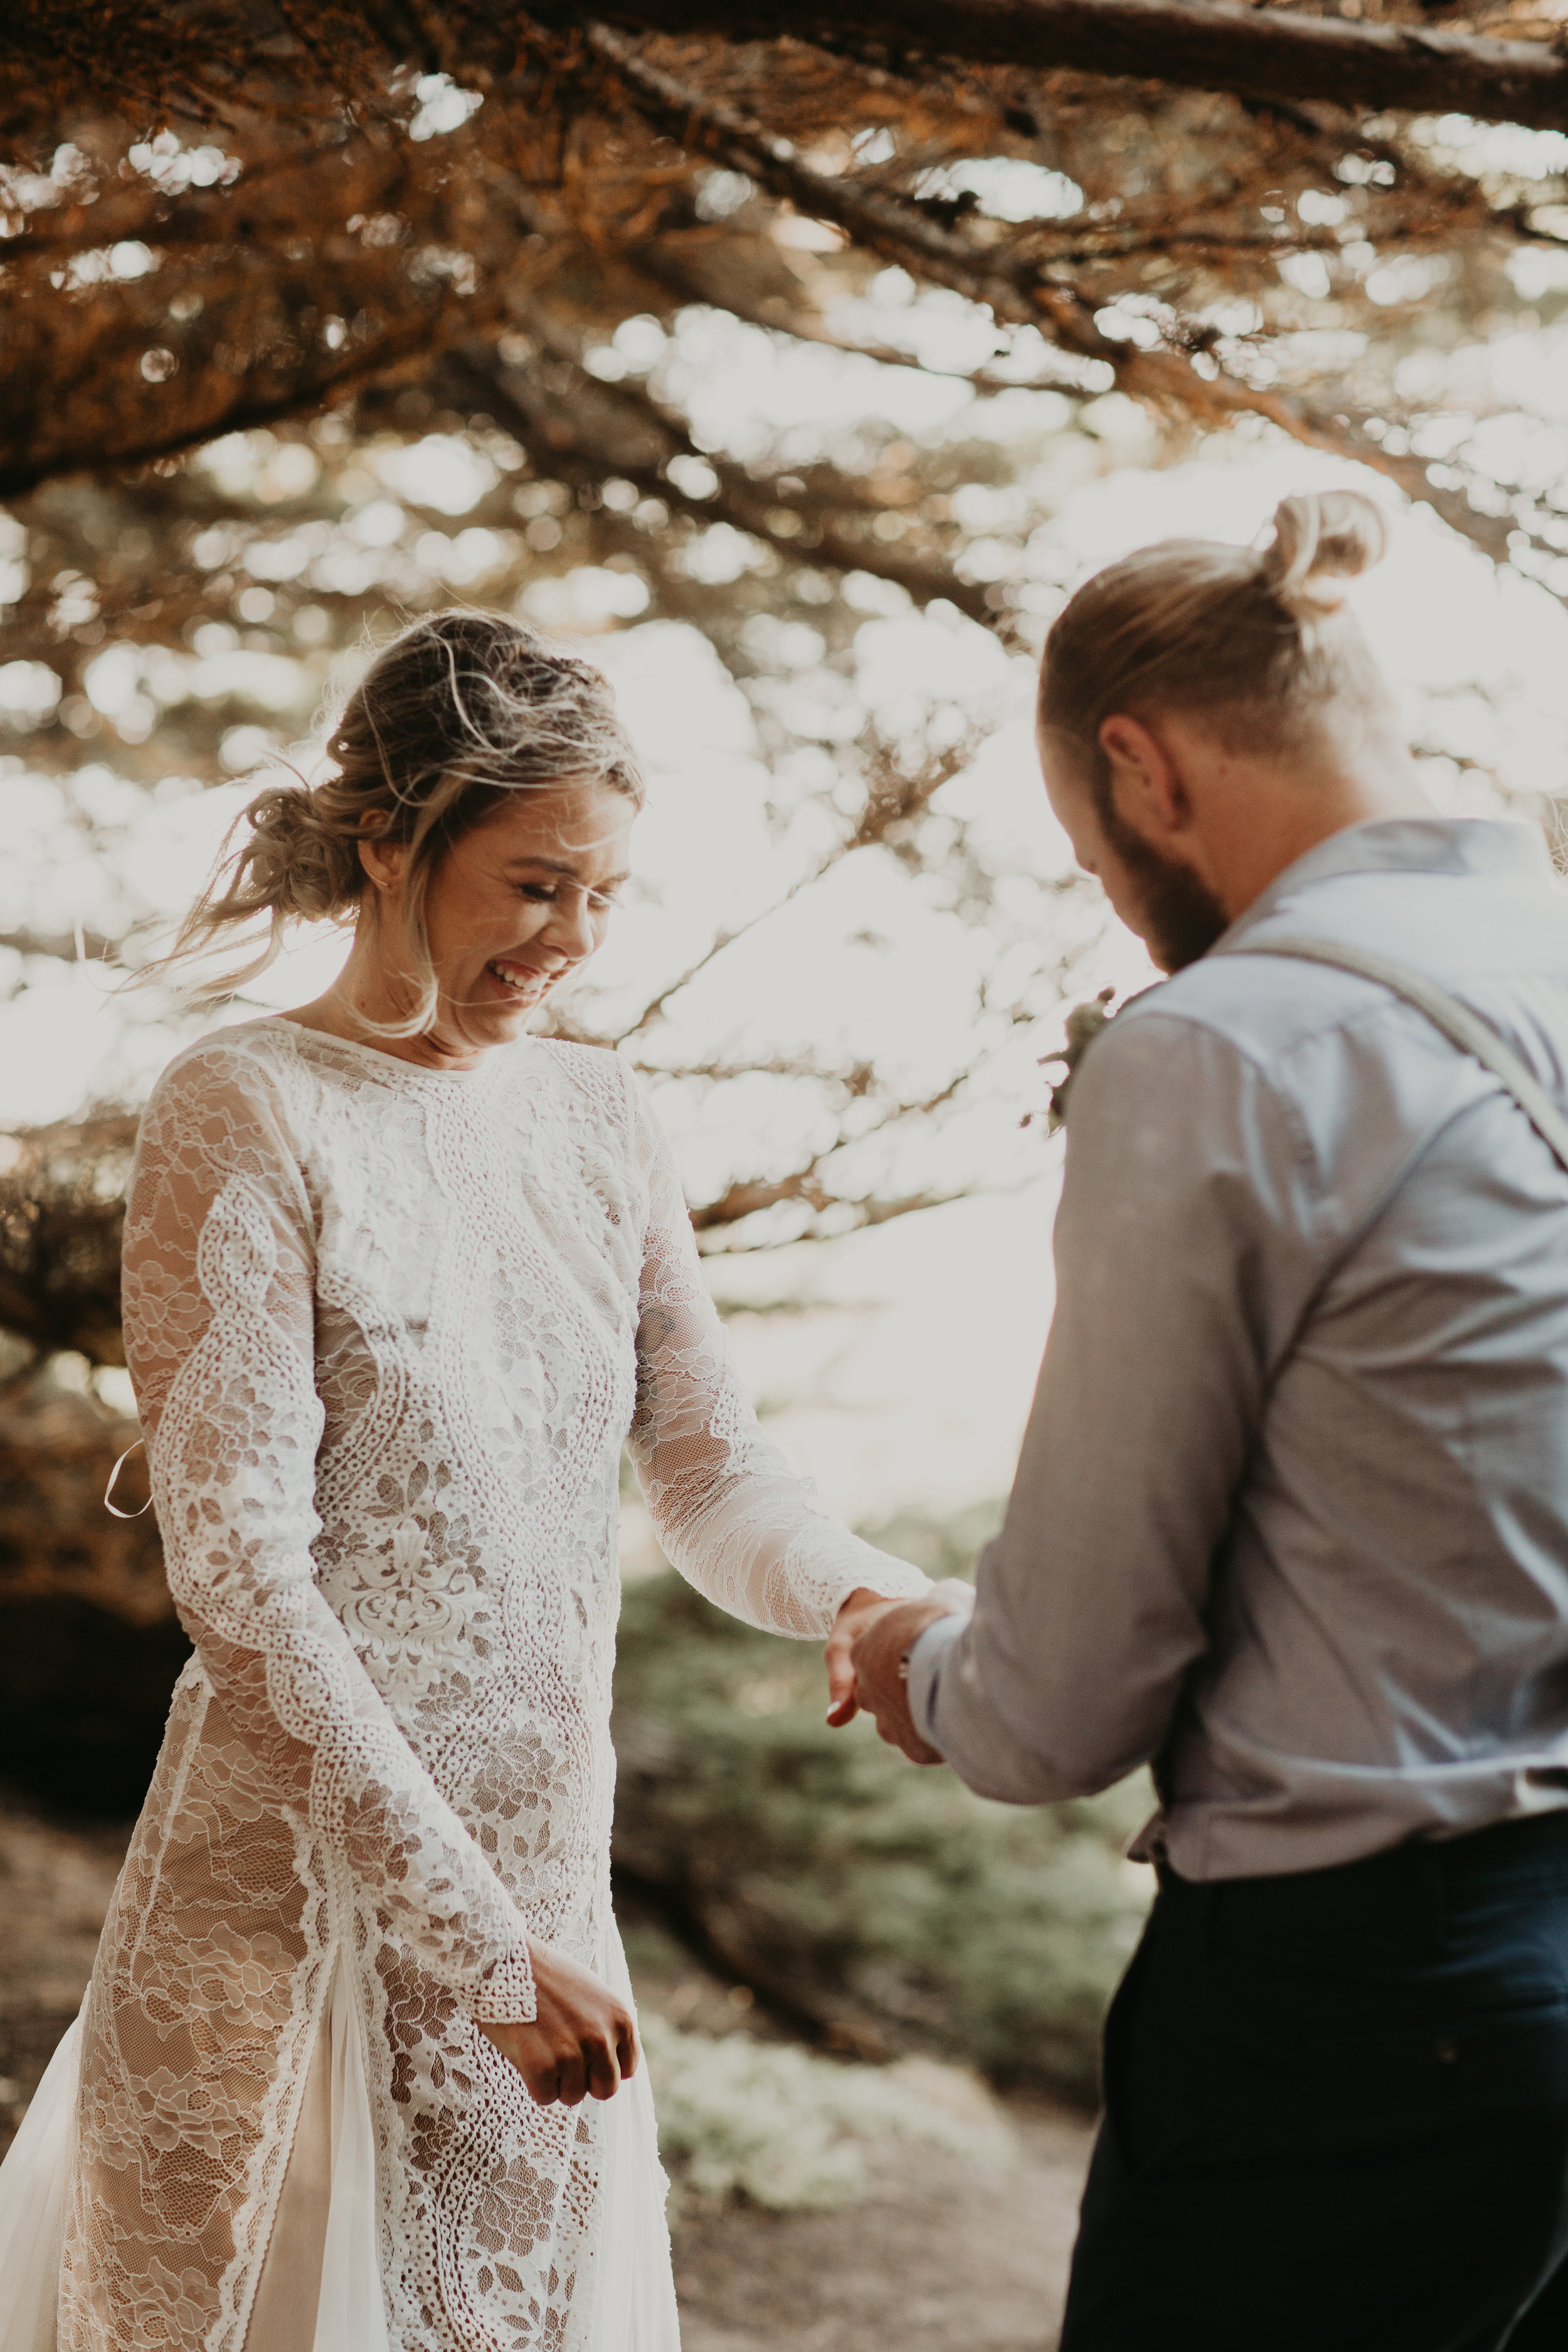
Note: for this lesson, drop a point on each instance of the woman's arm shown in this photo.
(219, 1330)
(728, 1511)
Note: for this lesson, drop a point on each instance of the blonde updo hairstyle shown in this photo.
(1262, 643)
(454, 715)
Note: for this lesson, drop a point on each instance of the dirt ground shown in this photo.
(938, 2258)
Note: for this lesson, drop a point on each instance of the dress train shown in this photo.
(634, 2305)
(33, 2182)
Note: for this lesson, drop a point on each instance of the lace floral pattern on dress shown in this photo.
(413, 1604)
(390, 1329)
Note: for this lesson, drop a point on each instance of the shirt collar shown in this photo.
(1407, 844)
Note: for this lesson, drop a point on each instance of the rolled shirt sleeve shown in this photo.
(1187, 1178)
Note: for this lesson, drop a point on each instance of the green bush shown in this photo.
(886, 1908)
(786, 2129)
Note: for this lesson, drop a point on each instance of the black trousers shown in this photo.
(1336, 2112)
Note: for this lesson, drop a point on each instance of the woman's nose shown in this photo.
(570, 927)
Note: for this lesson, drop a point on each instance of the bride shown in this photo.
(358, 2067)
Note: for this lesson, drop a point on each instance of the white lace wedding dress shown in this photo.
(389, 1329)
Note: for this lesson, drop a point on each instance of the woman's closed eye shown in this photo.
(549, 894)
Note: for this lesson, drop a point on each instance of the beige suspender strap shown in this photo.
(1458, 1023)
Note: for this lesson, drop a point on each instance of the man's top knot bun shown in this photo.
(1264, 646)
(1321, 543)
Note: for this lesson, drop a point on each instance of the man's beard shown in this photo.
(1183, 915)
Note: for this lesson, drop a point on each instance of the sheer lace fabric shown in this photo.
(390, 1329)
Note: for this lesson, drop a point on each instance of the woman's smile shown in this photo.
(524, 984)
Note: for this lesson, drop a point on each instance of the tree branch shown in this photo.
(1010, 285)
(70, 947)
(746, 505)
(238, 407)
(689, 285)
(804, 1188)
(1255, 52)
(748, 1199)
(892, 799)
(144, 61)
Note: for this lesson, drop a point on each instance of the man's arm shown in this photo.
(1183, 1261)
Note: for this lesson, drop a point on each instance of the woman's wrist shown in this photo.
(509, 1994)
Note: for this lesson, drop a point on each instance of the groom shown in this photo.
(1290, 1523)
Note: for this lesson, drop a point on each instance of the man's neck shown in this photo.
(1256, 822)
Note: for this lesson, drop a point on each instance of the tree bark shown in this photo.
(1259, 52)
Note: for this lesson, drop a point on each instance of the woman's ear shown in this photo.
(384, 861)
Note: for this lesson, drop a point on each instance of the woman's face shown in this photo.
(514, 907)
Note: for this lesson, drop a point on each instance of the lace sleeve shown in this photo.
(219, 1332)
(727, 1509)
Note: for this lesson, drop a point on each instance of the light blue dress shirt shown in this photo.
(1291, 1515)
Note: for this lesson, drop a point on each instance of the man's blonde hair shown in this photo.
(1262, 643)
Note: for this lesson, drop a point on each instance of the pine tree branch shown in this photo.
(671, 270)
(804, 1186)
(750, 1198)
(568, 451)
(144, 61)
(238, 406)
(1010, 285)
(1254, 52)
(894, 799)
(70, 947)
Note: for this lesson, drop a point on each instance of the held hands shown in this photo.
(869, 1643)
(583, 2041)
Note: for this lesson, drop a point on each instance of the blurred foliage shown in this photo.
(882, 1907)
(785, 2129)
(320, 318)
(61, 1212)
(257, 210)
(89, 1646)
(58, 1446)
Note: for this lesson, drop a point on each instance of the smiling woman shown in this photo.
(523, 897)
(400, 1283)
(464, 721)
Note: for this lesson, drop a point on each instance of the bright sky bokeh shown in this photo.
(910, 1380)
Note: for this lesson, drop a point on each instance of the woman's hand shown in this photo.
(582, 2041)
(859, 1612)
(851, 1622)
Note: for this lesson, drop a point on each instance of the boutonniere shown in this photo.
(1084, 1023)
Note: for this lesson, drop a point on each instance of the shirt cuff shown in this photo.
(927, 1657)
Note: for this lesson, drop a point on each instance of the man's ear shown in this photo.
(1147, 788)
